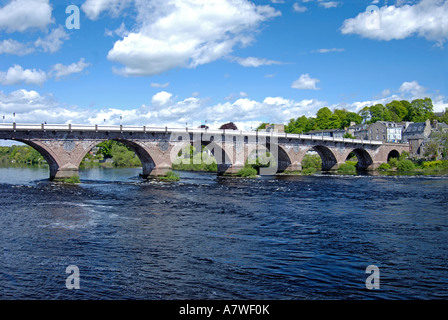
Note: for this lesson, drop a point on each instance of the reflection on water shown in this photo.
(206, 237)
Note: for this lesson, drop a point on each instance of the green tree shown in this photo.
(420, 110)
(398, 110)
(324, 118)
(105, 148)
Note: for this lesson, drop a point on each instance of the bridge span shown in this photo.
(64, 146)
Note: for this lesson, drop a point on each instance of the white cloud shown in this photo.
(17, 75)
(298, 8)
(11, 46)
(59, 70)
(161, 98)
(329, 50)
(427, 19)
(254, 62)
(329, 4)
(93, 8)
(186, 34)
(52, 42)
(160, 85)
(305, 82)
(412, 87)
(21, 15)
(166, 110)
(24, 101)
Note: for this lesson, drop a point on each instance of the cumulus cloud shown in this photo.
(21, 15)
(59, 70)
(427, 19)
(17, 75)
(53, 41)
(11, 46)
(298, 8)
(186, 34)
(93, 8)
(164, 109)
(305, 82)
(329, 4)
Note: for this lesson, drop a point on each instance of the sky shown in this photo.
(180, 63)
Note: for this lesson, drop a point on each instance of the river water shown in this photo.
(296, 237)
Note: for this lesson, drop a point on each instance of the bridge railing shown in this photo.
(121, 128)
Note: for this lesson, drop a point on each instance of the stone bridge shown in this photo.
(65, 146)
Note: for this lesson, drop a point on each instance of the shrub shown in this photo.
(405, 165)
(247, 172)
(170, 176)
(309, 171)
(384, 167)
(393, 162)
(347, 168)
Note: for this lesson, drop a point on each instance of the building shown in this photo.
(275, 127)
(333, 133)
(436, 129)
(381, 130)
(416, 134)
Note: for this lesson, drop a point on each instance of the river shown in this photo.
(277, 237)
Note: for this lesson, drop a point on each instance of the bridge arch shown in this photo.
(220, 154)
(365, 160)
(329, 160)
(140, 150)
(47, 153)
(278, 154)
(393, 154)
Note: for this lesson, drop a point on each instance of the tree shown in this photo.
(323, 118)
(398, 110)
(229, 125)
(378, 112)
(444, 117)
(432, 150)
(262, 126)
(420, 110)
(365, 114)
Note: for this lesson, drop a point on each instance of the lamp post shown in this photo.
(14, 115)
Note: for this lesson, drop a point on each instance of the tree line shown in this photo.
(417, 110)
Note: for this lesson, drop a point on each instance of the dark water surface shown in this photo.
(214, 238)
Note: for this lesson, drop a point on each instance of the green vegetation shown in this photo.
(417, 110)
(70, 180)
(346, 168)
(190, 160)
(384, 167)
(20, 154)
(247, 172)
(170, 176)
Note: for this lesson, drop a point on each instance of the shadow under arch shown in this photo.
(278, 154)
(220, 155)
(328, 158)
(364, 158)
(146, 159)
(393, 154)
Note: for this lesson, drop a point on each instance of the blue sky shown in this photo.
(176, 62)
